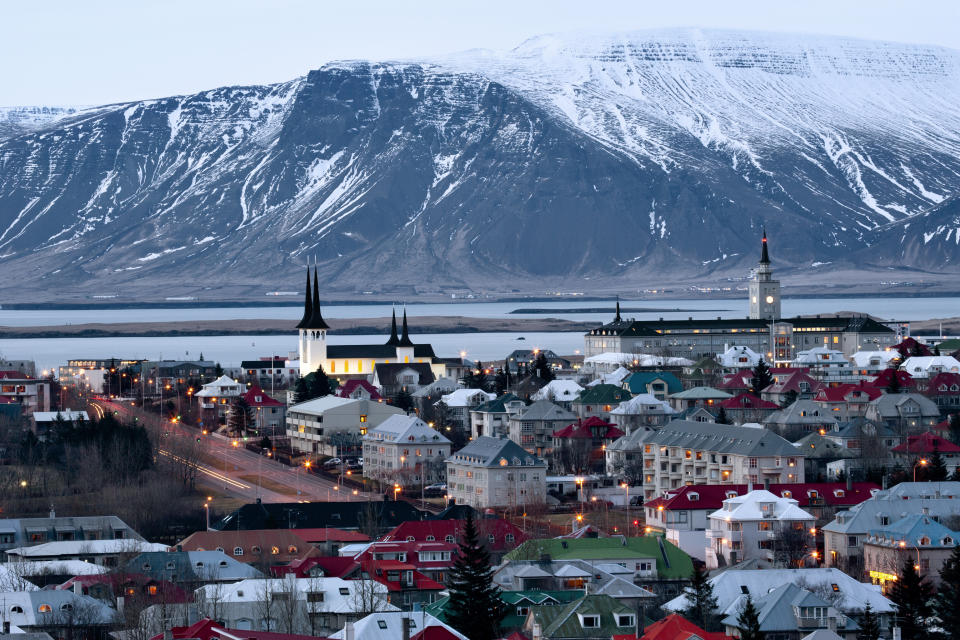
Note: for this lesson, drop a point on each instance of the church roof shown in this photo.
(315, 321)
(764, 255)
(405, 336)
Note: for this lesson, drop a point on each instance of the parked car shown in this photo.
(332, 462)
(435, 490)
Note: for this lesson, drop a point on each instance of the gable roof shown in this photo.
(387, 372)
(405, 429)
(567, 621)
(349, 386)
(255, 392)
(926, 443)
(775, 610)
(818, 447)
(637, 382)
(675, 627)
(546, 411)
(387, 626)
(497, 405)
(747, 401)
(711, 496)
(722, 438)
(701, 393)
(603, 394)
(672, 563)
(440, 529)
(485, 451)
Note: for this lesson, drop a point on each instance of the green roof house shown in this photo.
(599, 400)
(592, 617)
(659, 384)
(518, 605)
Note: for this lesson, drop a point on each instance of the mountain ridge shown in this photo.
(564, 159)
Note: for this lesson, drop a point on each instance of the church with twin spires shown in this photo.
(353, 360)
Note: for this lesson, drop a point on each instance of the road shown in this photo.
(226, 467)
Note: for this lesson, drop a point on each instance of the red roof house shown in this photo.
(359, 389)
(882, 381)
(207, 629)
(747, 407)
(926, 444)
(499, 536)
(910, 347)
(674, 627)
(319, 567)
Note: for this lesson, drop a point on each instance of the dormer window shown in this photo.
(590, 621)
(430, 538)
(238, 551)
(786, 494)
(693, 496)
(626, 620)
(839, 493)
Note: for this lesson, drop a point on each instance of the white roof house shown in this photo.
(732, 585)
(558, 391)
(738, 357)
(66, 414)
(929, 366)
(83, 549)
(26, 609)
(820, 357)
(339, 595)
(614, 377)
(462, 398)
(643, 404)
(760, 504)
(222, 387)
(404, 429)
(388, 625)
(873, 360)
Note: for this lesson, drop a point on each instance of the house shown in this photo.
(583, 576)
(944, 389)
(674, 627)
(653, 563)
(433, 559)
(883, 379)
(791, 386)
(269, 414)
(751, 526)
(328, 540)
(819, 451)
(317, 515)
(259, 547)
(560, 392)
(108, 553)
(387, 625)
(191, 568)
(791, 612)
(918, 539)
(393, 377)
(334, 426)
(738, 357)
(847, 401)
(532, 428)
(405, 450)
(592, 617)
(904, 413)
(929, 366)
(359, 389)
(746, 407)
(624, 456)
(911, 347)
(643, 410)
(850, 597)
(799, 419)
(860, 434)
(497, 536)
(44, 421)
(580, 447)
(828, 365)
(271, 371)
(459, 403)
(683, 514)
(518, 605)
(926, 445)
(490, 418)
(871, 363)
(407, 587)
(844, 537)
(496, 472)
(57, 612)
(699, 452)
(706, 397)
(599, 401)
(216, 399)
(30, 393)
(208, 629)
(659, 384)
(157, 375)
(527, 357)
(134, 588)
(308, 606)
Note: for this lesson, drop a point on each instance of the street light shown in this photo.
(922, 462)
(626, 500)
(396, 490)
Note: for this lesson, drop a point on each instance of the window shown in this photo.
(152, 589)
(344, 591)
(625, 620)
(238, 551)
(16, 609)
(835, 587)
(509, 538)
(430, 538)
(744, 589)
(591, 622)
(449, 539)
(44, 608)
(382, 624)
(491, 539)
(275, 551)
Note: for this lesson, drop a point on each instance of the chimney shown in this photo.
(120, 603)
(348, 631)
(6, 627)
(925, 511)
(538, 632)
(849, 483)
(405, 626)
(749, 486)
(179, 548)
(78, 588)
(53, 512)
(766, 484)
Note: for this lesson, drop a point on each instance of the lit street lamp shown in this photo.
(922, 462)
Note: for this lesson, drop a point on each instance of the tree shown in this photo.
(702, 606)
(500, 382)
(936, 471)
(791, 546)
(403, 400)
(869, 625)
(912, 594)
(475, 607)
(789, 398)
(948, 595)
(543, 368)
(217, 370)
(955, 428)
(749, 621)
(893, 385)
(761, 378)
(301, 391)
(722, 417)
(319, 383)
(241, 418)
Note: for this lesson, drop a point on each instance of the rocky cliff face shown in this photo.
(624, 157)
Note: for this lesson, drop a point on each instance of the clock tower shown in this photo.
(764, 290)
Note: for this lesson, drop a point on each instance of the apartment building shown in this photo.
(405, 449)
(491, 472)
(334, 426)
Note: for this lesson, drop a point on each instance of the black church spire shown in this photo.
(394, 340)
(307, 305)
(764, 255)
(316, 317)
(405, 338)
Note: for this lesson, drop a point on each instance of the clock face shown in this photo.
(769, 299)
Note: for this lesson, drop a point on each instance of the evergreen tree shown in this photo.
(869, 625)
(543, 368)
(475, 608)
(241, 418)
(945, 604)
(702, 602)
(917, 350)
(217, 370)
(936, 471)
(912, 594)
(789, 398)
(761, 378)
(722, 417)
(749, 622)
(266, 443)
(319, 383)
(936, 350)
(301, 391)
(403, 400)
(893, 385)
(500, 382)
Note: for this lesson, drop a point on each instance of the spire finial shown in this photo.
(764, 254)
(316, 316)
(307, 303)
(617, 317)
(405, 336)
(394, 340)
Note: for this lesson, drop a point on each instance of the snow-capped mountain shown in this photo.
(627, 156)
(15, 121)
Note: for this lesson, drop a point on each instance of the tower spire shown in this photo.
(316, 317)
(307, 304)
(394, 340)
(405, 337)
(764, 255)
(617, 318)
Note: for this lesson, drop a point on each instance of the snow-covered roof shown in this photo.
(643, 403)
(66, 414)
(922, 366)
(615, 378)
(389, 626)
(559, 390)
(729, 586)
(401, 428)
(222, 386)
(638, 359)
(23, 608)
(324, 403)
(820, 356)
(467, 398)
(55, 567)
(339, 596)
(862, 359)
(85, 548)
(609, 357)
(761, 505)
(739, 357)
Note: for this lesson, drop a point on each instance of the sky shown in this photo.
(64, 52)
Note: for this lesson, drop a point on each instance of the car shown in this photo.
(435, 490)
(333, 462)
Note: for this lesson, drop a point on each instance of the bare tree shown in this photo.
(287, 605)
(265, 605)
(790, 546)
(573, 455)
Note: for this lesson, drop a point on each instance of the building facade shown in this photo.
(496, 472)
(406, 450)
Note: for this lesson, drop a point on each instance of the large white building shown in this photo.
(748, 527)
(407, 450)
(496, 472)
(353, 360)
(325, 425)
